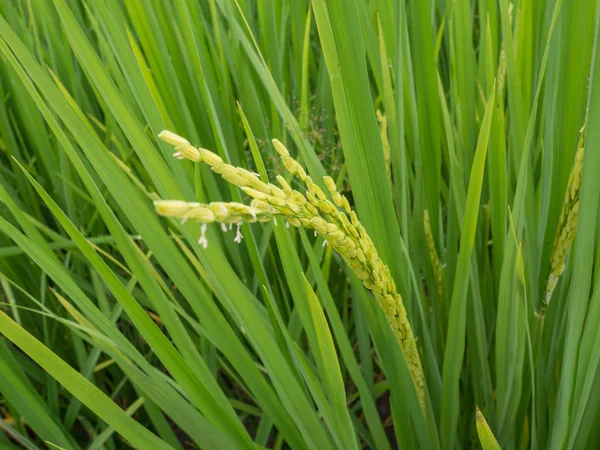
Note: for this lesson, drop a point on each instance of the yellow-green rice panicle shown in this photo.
(567, 226)
(436, 263)
(333, 220)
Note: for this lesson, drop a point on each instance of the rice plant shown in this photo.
(326, 224)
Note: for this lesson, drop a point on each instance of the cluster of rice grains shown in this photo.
(436, 263)
(334, 221)
(567, 226)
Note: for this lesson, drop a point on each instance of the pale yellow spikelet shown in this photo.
(283, 152)
(171, 208)
(289, 163)
(183, 149)
(341, 229)
(210, 158)
(284, 184)
(339, 199)
(184, 210)
(330, 183)
(436, 263)
(171, 138)
(187, 151)
(254, 193)
(567, 226)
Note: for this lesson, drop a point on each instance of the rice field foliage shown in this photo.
(326, 224)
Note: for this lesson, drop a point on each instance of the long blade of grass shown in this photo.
(455, 342)
(584, 247)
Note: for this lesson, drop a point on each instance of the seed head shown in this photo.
(314, 211)
(567, 226)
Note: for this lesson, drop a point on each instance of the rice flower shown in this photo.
(567, 226)
(333, 219)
